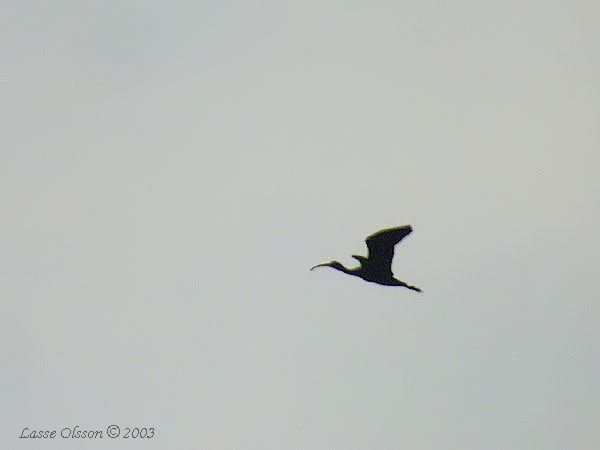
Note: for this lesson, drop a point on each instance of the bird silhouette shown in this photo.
(377, 267)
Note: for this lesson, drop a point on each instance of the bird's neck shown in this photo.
(341, 268)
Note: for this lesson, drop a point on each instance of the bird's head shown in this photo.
(335, 264)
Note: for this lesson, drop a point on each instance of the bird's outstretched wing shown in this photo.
(381, 246)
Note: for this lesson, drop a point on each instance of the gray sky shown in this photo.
(170, 171)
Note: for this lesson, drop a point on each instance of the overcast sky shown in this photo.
(171, 170)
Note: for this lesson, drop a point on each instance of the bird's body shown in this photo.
(377, 267)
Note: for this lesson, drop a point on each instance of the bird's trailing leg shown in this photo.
(406, 285)
(414, 288)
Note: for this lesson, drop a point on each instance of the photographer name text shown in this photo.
(77, 432)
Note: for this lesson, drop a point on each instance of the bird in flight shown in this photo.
(377, 267)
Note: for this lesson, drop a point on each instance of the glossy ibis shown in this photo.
(377, 267)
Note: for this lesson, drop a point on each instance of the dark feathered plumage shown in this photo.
(377, 267)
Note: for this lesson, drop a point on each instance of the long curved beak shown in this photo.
(319, 265)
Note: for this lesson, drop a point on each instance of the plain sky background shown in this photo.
(171, 170)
